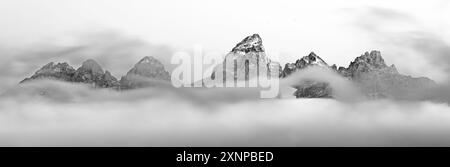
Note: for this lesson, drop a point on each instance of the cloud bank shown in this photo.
(52, 113)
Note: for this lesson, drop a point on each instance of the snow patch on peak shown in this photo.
(313, 59)
(147, 59)
(252, 43)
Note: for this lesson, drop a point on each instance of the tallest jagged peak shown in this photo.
(252, 43)
(373, 59)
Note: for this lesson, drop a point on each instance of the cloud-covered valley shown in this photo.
(52, 113)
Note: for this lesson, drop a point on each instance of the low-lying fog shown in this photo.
(50, 113)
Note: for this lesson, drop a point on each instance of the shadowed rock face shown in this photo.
(376, 79)
(311, 89)
(370, 73)
(311, 60)
(251, 43)
(60, 71)
(146, 70)
(368, 62)
(90, 73)
(108, 81)
(245, 61)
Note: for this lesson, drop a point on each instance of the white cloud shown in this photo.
(150, 117)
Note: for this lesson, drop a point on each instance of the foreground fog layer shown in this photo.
(59, 114)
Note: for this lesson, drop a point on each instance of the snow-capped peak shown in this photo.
(249, 44)
(313, 59)
(91, 65)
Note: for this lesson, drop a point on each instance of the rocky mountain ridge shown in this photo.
(147, 68)
(369, 72)
(245, 61)
(90, 72)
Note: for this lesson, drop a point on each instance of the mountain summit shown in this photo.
(60, 71)
(151, 68)
(251, 43)
(368, 62)
(148, 68)
(91, 66)
(90, 73)
(245, 61)
(369, 72)
(376, 79)
(311, 60)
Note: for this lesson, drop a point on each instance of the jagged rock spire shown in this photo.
(313, 59)
(92, 73)
(310, 60)
(249, 44)
(369, 62)
(246, 60)
(148, 59)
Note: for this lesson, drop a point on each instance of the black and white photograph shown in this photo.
(228, 73)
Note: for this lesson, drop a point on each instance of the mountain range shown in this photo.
(146, 70)
(369, 72)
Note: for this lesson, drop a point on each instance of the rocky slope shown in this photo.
(369, 71)
(245, 61)
(309, 88)
(89, 73)
(143, 73)
(92, 73)
(376, 79)
(60, 71)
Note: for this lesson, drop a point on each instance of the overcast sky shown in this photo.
(413, 35)
(338, 31)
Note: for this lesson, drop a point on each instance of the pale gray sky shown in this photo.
(338, 31)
